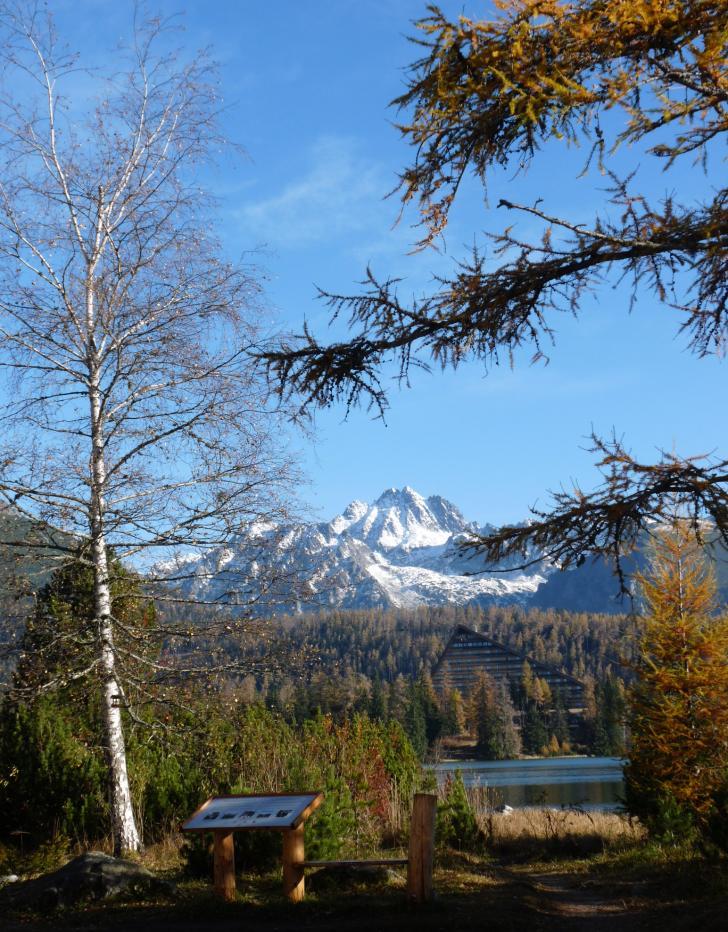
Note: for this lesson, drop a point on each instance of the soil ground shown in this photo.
(471, 895)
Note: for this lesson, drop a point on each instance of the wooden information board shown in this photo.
(278, 812)
(286, 813)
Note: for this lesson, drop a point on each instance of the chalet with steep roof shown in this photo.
(468, 653)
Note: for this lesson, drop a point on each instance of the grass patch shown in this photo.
(538, 834)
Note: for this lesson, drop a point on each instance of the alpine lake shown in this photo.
(589, 783)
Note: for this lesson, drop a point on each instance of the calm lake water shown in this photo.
(589, 782)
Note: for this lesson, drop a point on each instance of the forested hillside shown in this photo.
(387, 644)
(26, 564)
(379, 663)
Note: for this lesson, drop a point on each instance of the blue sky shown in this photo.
(306, 86)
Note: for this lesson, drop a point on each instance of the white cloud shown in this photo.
(542, 382)
(339, 194)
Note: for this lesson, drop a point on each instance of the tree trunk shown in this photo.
(124, 829)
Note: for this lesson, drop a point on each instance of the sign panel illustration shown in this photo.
(239, 812)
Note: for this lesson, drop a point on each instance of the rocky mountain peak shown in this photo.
(399, 550)
(404, 497)
(402, 520)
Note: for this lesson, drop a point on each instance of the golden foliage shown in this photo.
(547, 68)
(679, 713)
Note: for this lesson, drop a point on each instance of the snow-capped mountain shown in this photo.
(399, 551)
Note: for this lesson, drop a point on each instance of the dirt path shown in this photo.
(487, 898)
(615, 905)
(582, 904)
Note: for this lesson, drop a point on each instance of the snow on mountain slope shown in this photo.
(409, 586)
(400, 551)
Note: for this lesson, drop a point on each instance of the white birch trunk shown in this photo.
(125, 833)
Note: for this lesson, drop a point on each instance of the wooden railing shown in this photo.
(419, 862)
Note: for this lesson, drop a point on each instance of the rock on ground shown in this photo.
(90, 876)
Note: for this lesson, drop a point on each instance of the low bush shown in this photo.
(457, 825)
(52, 775)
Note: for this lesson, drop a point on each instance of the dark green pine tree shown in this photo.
(377, 702)
(431, 708)
(415, 720)
(52, 770)
(510, 736)
(498, 737)
(559, 718)
(58, 646)
(609, 724)
(453, 711)
(534, 734)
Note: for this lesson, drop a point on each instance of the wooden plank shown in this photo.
(224, 864)
(312, 806)
(197, 812)
(421, 848)
(371, 862)
(294, 884)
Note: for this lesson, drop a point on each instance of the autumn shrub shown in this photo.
(676, 775)
(360, 766)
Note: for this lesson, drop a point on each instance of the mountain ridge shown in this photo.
(400, 551)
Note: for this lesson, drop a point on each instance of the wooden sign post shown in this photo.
(280, 812)
(294, 884)
(224, 864)
(421, 848)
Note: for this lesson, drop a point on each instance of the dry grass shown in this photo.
(531, 834)
(164, 856)
(612, 829)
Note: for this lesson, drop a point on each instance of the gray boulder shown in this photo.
(90, 876)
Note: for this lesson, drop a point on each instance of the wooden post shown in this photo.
(294, 884)
(224, 864)
(421, 848)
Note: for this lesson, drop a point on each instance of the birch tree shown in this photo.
(132, 420)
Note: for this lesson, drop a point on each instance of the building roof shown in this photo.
(498, 660)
